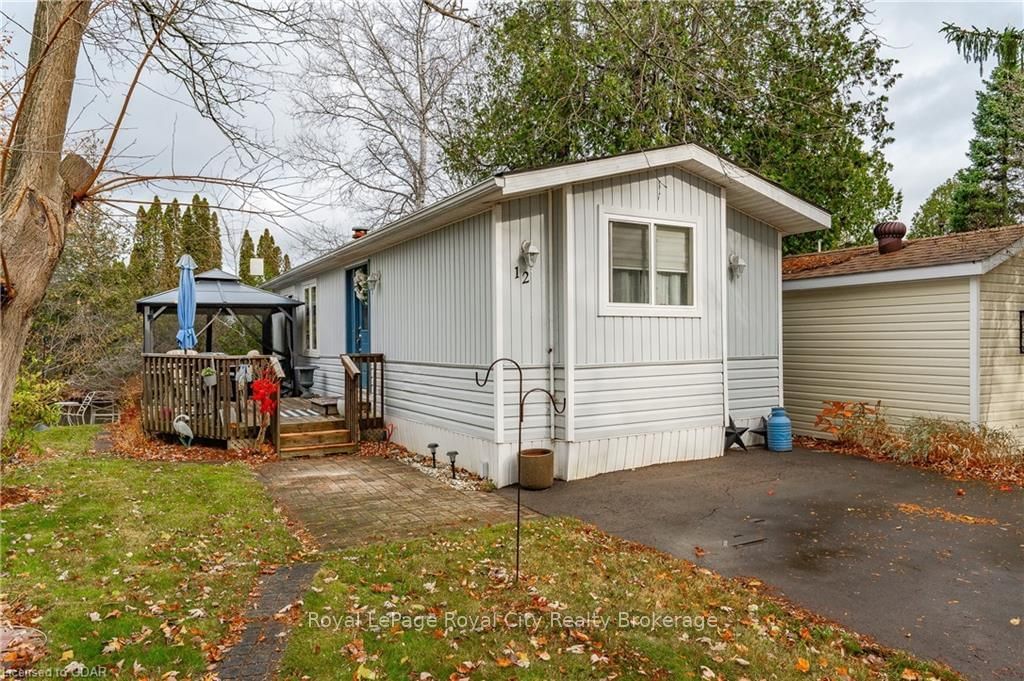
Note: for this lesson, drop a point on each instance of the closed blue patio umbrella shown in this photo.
(186, 303)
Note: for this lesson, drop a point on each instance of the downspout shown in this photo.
(549, 274)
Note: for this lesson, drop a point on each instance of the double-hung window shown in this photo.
(310, 344)
(648, 267)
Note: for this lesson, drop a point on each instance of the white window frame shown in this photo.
(606, 307)
(306, 336)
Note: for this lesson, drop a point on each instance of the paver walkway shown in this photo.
(257, 655)
(348, 500)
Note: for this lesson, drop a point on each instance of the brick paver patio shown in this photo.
(348, 500)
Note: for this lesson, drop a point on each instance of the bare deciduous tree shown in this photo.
(215, 48)
(373, 96)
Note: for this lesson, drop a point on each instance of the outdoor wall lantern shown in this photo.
(433, 454)
(736, 265)
(528, 253)
(451, 457)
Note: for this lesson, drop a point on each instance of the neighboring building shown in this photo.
(553, 267)
(935, 327)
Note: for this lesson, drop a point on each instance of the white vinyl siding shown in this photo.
(440, 394)
(646, 398)
(629, 339)
(1001, 362)
(753, 312)
(906, 344)
(433, 300)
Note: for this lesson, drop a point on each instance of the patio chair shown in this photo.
(105, 408)
(73, 413)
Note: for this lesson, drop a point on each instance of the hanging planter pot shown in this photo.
(536, 468)
(209, 377)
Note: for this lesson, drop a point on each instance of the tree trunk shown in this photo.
(35, 192)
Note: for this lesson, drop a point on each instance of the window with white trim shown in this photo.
(650, 267)
(310, 331)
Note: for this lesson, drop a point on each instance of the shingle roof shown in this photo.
(950, 249)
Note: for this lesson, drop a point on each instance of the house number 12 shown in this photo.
(523, 276)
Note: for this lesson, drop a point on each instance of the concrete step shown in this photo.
(307, 426)
(315, 437)
(318, 450)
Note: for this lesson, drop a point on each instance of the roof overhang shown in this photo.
(746, 191)
(951, 271)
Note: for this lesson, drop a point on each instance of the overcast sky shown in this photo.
(931, 106)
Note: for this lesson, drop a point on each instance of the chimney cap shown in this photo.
(890, 236)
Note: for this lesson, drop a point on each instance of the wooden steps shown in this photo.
(315, 438)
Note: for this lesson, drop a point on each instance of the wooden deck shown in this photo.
(301, 410)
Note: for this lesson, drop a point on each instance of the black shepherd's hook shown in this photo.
(487, 376)
(519, 452)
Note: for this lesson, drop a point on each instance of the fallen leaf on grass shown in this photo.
(803, 665)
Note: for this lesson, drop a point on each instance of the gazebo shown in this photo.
(221, 294)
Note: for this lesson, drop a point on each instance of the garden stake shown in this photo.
(519, 451)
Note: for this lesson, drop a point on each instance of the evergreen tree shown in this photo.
(287, 264)
(145, 253)
(793, 89)
(170, 231)
(271, 254)
(200, 231)
(246, 252)
(990, 191)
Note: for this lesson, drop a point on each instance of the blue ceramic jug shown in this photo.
(780, 431)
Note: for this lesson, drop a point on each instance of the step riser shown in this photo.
(319, 451)
(312, 426)
(314, 437)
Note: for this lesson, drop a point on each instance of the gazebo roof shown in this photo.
(215, 290)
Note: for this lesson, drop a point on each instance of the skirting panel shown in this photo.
(593, 457)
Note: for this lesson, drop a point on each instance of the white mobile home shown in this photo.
(932, 327)
(644, 288)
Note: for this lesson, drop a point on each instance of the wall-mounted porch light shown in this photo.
(528, 253)
(372, 280)
(736, 265)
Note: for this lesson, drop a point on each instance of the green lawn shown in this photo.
(71, 439)
(457, 615)
(135, 561)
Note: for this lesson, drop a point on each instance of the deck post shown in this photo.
(147, 329)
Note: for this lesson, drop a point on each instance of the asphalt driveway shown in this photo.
(826, 531)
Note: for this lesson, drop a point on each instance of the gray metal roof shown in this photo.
(216, 289)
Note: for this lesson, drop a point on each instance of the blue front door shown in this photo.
(357, 312)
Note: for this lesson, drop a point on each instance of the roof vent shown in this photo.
(890, 236)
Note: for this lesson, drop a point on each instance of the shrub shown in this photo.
(954, 448)
(932, 440)
(859, 424)
(33, 403)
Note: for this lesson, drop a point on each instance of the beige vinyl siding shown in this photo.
(1002, 364)
(905, 344)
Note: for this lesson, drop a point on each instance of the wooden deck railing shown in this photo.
(364, 392)
(173, 385)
